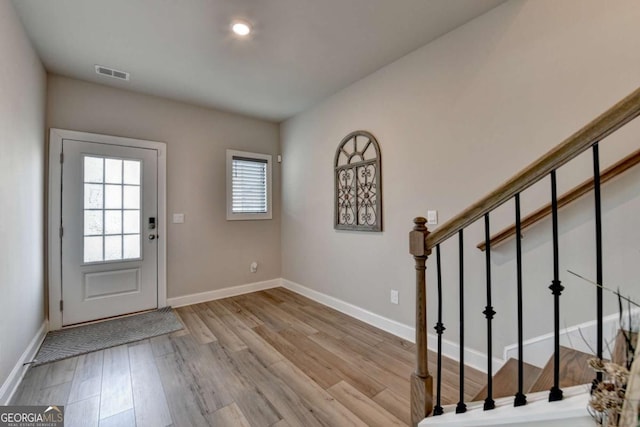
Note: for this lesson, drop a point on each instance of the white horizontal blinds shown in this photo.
(249, 185)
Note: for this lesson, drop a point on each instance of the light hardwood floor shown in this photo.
(270, 358)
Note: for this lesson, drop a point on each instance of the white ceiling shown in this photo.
(301, 51)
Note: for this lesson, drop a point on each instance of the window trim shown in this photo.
(231, 216)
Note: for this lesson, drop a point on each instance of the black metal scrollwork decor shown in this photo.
(358, 183)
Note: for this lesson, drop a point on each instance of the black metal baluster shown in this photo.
(596, 192)
(461, 407)
(556, 289)
(520, 398)
(439, 329)
(488, 312)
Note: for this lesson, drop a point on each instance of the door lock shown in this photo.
(152, 223)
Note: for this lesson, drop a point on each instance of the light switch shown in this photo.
(178, 218)
(432, 217)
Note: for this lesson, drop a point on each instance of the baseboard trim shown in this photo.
(14, 379)
(231, 291)
(393, 327)
(450, 349)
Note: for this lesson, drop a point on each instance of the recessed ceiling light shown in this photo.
(241, 28)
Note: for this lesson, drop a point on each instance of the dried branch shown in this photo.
(630, 301)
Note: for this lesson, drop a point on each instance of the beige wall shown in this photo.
(22, 107)
(207, 252)
(455, 119)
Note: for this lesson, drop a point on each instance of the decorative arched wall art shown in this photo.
(358, 183)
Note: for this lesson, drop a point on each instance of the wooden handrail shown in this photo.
(575, 193)
(605, 124)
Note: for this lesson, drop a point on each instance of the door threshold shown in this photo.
(120, 316)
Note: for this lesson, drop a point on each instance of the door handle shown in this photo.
(152, 236)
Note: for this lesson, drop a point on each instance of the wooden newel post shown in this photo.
(421, 381)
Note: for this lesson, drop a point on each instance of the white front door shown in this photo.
(109, 212)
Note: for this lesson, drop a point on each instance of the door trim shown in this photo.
(54, 210)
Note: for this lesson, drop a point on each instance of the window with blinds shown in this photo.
(248, 185)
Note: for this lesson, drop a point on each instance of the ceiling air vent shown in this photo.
(110, 72)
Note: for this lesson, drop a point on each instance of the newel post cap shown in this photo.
(418, 238)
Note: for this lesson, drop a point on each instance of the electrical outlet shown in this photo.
(395, 296)
(254, 267)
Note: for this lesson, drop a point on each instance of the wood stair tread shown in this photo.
(505, 381)
(574, 370)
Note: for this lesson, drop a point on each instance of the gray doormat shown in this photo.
(72, 342)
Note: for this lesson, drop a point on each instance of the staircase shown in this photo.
(574, 370)
(505, 381)
(575, 379)
(530, 385)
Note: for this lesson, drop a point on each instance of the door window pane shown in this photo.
(131, 246)
(131, 172)
(113, 196)
(113, 171)
(93, 196)
(112, 206)
(131, 222)
(112, 248)
(131, 197)
(93, 169)
(92, 223)
(93, 249)
(113, 222)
